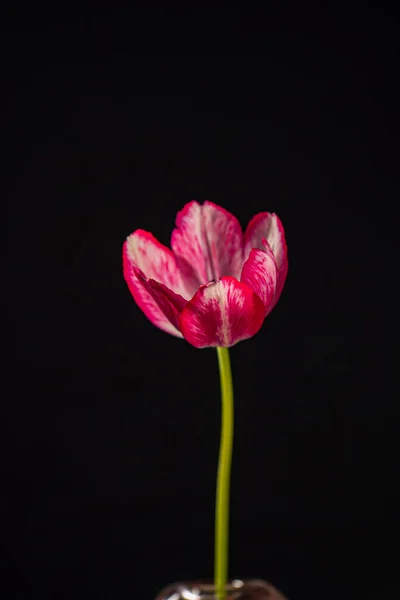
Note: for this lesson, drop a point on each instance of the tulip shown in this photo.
(217, 285)
(214, 289)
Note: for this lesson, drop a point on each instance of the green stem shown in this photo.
(223, 476)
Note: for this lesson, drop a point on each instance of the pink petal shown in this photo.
(225, 240)
(268, 225)
(208, 244)
(155, 260)
(170, 304)
(259, 273)
(142, 252)
(221, 313)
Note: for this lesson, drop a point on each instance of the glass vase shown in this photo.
(248, 589)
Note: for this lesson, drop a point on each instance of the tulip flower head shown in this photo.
(216, 285)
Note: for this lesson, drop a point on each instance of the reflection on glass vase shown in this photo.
(250, 589)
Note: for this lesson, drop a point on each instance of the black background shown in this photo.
(114, 122)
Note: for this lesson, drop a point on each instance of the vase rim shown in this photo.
(203, 589)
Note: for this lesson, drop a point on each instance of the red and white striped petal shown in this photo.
(189, 246)
(143, 253)
(208, 244)
(154, 259)
(221, 313)
(268, 225)
(170, 304)
(225, 240)
(145, 300)
(260, 274)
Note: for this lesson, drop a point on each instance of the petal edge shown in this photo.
(268, 225)
(260, 274)
(143, 298)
